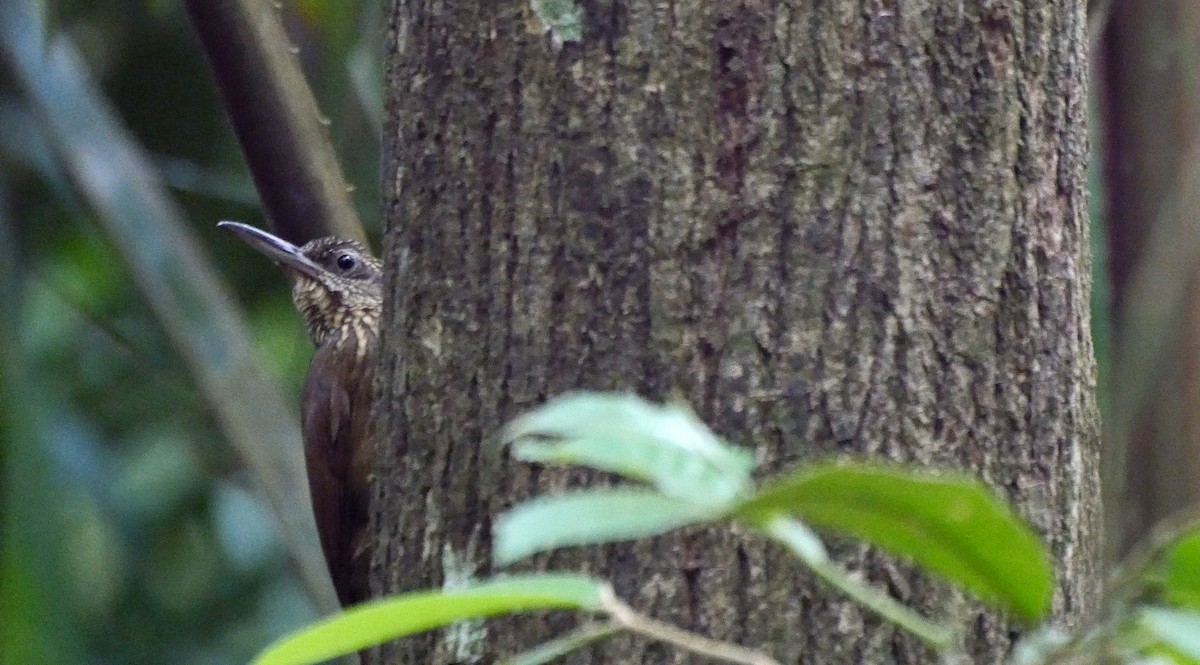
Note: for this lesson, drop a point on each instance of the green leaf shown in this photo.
(1178, 630)
(953, 526)
(1181, 578)
(589, 517)
(666, 446)
(383, 620)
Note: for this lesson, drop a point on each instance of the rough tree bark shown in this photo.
(833, 227)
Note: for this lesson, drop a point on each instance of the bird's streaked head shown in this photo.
(337, 285)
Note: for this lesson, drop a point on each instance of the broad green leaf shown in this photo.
(388, 619)
(951, 525)
(589, 517)
(1178, 630)
(1182, 575)
(666, 446)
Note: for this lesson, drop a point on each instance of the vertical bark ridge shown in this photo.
(838, 227)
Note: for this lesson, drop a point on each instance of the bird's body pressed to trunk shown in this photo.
(337, 288)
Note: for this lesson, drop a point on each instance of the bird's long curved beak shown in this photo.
(277, 249)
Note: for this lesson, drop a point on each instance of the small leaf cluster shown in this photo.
(950, 525)
(1151, 613)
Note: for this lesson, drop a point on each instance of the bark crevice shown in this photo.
(833, 228)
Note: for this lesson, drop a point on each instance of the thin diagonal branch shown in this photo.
(635, 622)
(276, 119)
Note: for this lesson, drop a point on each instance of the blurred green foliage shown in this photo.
(128, 533)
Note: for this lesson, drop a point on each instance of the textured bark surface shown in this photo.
(833, 227)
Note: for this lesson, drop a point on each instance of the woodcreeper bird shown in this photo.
(338, 288)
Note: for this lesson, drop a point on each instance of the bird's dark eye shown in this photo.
(346, 262)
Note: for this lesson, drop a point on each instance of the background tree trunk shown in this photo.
(1150, 106)
(837, 227)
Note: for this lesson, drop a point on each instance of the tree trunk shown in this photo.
(833, 228)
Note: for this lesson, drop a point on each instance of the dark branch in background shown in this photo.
(276, 119)
(1098, 13)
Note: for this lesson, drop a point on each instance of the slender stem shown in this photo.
(1127, 579)
(1095, 641)
(580, 637)
(797, 537)
(631, 620)
(1084, 643)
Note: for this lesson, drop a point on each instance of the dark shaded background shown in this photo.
(131, 534)
(129, 530)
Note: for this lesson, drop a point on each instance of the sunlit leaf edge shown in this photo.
(1177, 629)
(387, 619)
(663, 444)
(577, 414)
(589, 517)
(674, 474)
